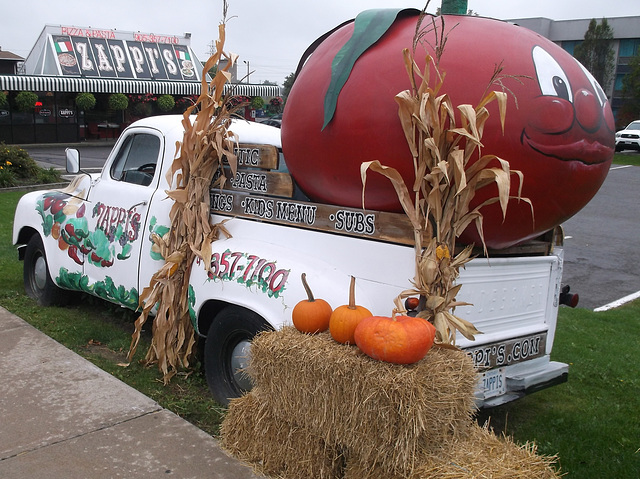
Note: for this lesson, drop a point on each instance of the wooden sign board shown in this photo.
(379, 225)
(257, 156)
(271, 183)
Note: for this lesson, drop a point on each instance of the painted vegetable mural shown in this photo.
(559, 133)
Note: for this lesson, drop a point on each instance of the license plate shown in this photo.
(492, 383)
(508, 352)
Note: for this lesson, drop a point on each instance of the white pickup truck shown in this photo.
(94, 236)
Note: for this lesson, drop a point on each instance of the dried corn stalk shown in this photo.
(198, 160)
(438, 203)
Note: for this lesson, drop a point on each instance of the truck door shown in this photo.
(119, 204)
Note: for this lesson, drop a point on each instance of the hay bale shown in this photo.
(480, 455)
(382, 413)
(252, 433)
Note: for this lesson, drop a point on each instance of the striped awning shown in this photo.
(38, 83)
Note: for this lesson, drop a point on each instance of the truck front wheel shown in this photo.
(37, 280)
(226, 351)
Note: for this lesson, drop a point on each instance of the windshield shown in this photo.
(634, 125)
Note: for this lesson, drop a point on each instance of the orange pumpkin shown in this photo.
(311, 315)
(398, 340)
(345, 318)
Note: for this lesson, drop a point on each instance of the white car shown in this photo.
(629, 138)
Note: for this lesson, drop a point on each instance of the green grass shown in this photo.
(101, 332)
(592, 422)
(628, 158)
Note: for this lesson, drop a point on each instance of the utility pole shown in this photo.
(247, 62)
(454, 7)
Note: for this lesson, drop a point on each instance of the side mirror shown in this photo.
(73, 161)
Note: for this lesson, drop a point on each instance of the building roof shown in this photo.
(103, 85)
(571, 30)
(5, 55)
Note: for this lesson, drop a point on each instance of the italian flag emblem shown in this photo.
(183, 55)
(64, 46)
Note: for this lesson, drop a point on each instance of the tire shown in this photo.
(37, 280)
(226, 351)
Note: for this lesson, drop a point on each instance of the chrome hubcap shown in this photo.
(40, 272)
(239, 362)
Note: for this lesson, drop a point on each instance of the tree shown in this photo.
(596, 52)
(288, 83)
(631, 93)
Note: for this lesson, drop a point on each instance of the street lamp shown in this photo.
(247, 62)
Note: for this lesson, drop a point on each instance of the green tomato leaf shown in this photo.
(368, 28)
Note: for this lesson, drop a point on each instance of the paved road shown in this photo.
(601, 242)
(92, 154)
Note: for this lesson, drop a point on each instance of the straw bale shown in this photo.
(375, 409)
(252, 433)
(480, 455)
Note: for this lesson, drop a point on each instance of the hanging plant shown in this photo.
(85, 101)
(166, 103)
(118, 101)
(3, 100)
(26, 101)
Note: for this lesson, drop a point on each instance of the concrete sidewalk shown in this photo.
(63, 418)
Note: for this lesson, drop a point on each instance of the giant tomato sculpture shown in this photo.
(559, 127)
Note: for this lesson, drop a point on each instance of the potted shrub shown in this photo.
(84, 101)
(166, 103)
(119, 102)
(26, 101)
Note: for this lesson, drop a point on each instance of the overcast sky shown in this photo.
(270, 35)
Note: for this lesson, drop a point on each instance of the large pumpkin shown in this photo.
(398, 340)
(559, 126)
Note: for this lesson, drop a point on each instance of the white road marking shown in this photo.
(619, 302)
(620, 167)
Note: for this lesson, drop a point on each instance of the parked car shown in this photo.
(629, 138)
(272, 122)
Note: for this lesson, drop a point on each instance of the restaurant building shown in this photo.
(66, 61)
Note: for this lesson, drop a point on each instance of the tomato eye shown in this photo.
(602, 97)
(561, 88)
(552, 79)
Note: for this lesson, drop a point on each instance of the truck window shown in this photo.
(136, 159)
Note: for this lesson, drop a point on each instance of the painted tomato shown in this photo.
(559, 127)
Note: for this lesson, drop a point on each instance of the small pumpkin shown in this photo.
(398, 340)
(345, 318)
(311, 315)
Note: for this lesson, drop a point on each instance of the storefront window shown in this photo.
(65, 108)
(45, 111)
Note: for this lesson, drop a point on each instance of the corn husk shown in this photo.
(197, 162)
(445, 143)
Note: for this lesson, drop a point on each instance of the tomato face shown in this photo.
(559, 127)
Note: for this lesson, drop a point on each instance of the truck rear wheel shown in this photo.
(37, 280)
(226, 351)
